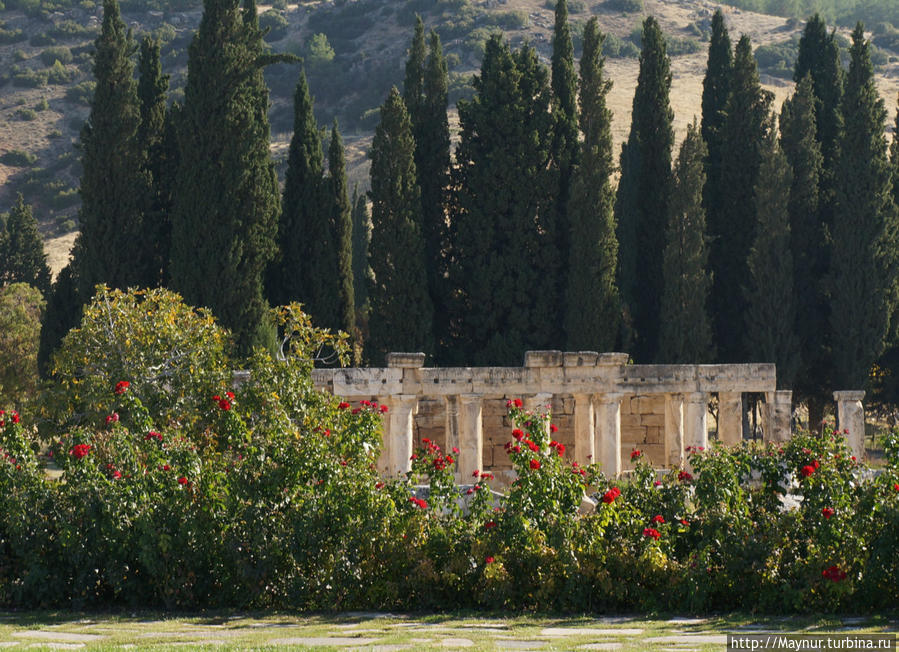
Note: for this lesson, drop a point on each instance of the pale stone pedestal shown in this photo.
(608, 432)
(851, 415)
(779, 412)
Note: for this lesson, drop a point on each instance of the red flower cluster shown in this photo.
(182, 480)
(112, 418)
(560, 448)
(439, 460)
(153, 435)
(373, 405)
(534, 447)
(683, 476)
(516, 402)
(658, 518)
(343, 406)
(122, 386)
(577, 470)
(489, 560)
(224, 403)
(827, 512)
(14, 418)
(609, 497)
(896, 487)
(489, 524)
(834, 574)
(418, 502)
(535, 464)
(80, 450)
(651, 532)
(518, 433)
(636, 453)
(808, 469)
(553, 427)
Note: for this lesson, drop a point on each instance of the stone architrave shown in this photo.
(696, 431)
(471, 436)
(851, 416)
(674, 430)
(399, 433)
(608, 432)
(730, 418)
(779, 413)
(584, 429)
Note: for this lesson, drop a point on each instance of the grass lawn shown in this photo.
(383, 631)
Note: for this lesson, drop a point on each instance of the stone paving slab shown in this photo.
(601, 646)
(590, 631)
(344, 641)
(65, 637)
(58, 646)
(512, 644)
(689, 639)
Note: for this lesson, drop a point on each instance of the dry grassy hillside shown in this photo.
(44, 121)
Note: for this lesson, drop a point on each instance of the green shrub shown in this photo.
(19, 56)
(508, 19)
(59, 74)
(42, 39)
(8, 36)
(81, 93)
(29, 78)
(627, 6)
(18, 158)
(42, 105)
(26, 114)
(276, 24)
(61, 54)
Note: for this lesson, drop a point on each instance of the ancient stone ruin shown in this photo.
(603, 407)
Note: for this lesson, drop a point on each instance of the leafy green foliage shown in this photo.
(22, 257)
(20, 324)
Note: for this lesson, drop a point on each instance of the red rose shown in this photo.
(489, 560)
(112, 418)
(535, 464)
(216, 398)
(379, 485)
(609, 497)
(80, 450)
(15, 417)
(834, 574)
(635, 454)
(896, 487)
(534, 447)
(827, 512)
(455, 450)
(658, 518)
(116, 474)
(166, 467)
(343, 406)
(225, 404)
(229, 394)
(489, 524)
(684, 521)
(651, 532)
(683, 476)
(182, 480)
(383, 409)
(553, 427)
(807, 470)
(518, 434)
(122, 386)
(418, 502)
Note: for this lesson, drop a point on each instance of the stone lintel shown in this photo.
(613, 359)
(579, 358)
(406, 360)
(542, 358)
(849, 395)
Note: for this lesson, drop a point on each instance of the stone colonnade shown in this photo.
(597, 382)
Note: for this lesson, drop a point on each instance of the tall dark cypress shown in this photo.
(156, 232)
(715, 92)
(303, 235)
(819, 56)
(808, 236)
(361, 270)
(342, 229)
(63, 312)
(642, 204)
(894, 159)
(414, 83)
(863, 275)
(226, 204)
(592, 317)
(109, 248)
(505, 190)
(401, 313)
(565, 144)
(771, 315)
(685, 334)
(23, 257)
(733, 231)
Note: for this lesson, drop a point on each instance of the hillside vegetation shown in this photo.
(354, 52)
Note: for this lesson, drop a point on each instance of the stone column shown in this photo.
(584, 430)
(851, 416)
(451, 427)
(398, 433)
(778, 415)
(696, 432)
(608, 432)
(674, 430)
(471, 436)
(730, 418)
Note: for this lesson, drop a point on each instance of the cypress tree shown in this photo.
(113, 184)
(62, 313)
(342, 229)
(771, 315)
(227, 202)
(505, 191)
(156, 235)
(361, 238)
(863, 276)
(565, 146)
(23, 257)
(685, 334)
(715, 91)
(592, 317)
(414, 83)
(894, 159)
(819, 56)
(642, 204)
(304, 236)
(733, 229)
(808, 236)
(401, 313)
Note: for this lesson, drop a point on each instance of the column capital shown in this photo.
(406, 360)
(608, 398)
(849, 395)
(470, 398)
(579, 358)
(542, 358)
(696, 397)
